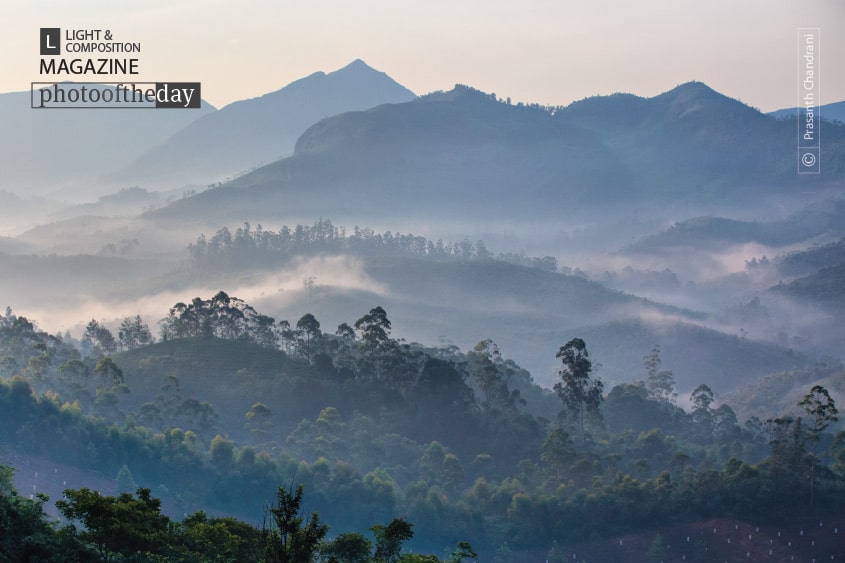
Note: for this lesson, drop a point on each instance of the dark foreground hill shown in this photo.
(439, 436)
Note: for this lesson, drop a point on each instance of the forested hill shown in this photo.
(468, 155)
(528, 305)
(230, 403)
(821, 221)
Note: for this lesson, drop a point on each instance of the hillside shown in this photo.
(68, 152)
(826, 287)
(464, 155)
(694, 353)
(691, 144)
(781, 391)
(435, 434)
(830, 112)
(436, 292)
(821, 221)
(249, 133)
(458, 156)
(812, 259)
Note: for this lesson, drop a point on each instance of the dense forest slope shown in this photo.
(230, 404)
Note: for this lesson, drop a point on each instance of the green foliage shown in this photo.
(99, 339)
(216, 540)
(557, 451)
(25, 534)
(660, 383)
(778, 393)
(258, 418)
(222, 452)
(377, 346)
(579, 393)
(367, 448)
(463, 551)
(492, 376)
(389, 539)
(123, 525)
(259, 247)
(348, 547)
(292, 538)
(222, 316)
(702, 398)
(309, 329)
(111, 375)
(837, 452)
(819, 405)
(418, 558)
(375, 329)
(656, 550)
(134, 333)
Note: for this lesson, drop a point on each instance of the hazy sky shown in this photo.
(546, 51)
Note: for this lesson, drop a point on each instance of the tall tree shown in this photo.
(344, 347)
(134, 333)
(463, 551)
(287, 334)
(556, 451)
(293, 539)
(580, 393)
(110, 374)
(389, 539)
(99, 338)
(492, 376)
(375, 337)
(309, 327)
(788, 447)
(822, 408)
(660, 383)
(375, 329)
(702, 398)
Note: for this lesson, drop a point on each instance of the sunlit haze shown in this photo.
(541, 51)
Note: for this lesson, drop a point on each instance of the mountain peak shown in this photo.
(251, 132)
(358, 76)
(460, 92)
(356, 66)
(357, 63)
(692, 90)
(694, 86)
(697, 98)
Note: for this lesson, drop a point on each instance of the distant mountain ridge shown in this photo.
(830, 112)
(48, 150)
(491, 159)
(248, 133)
(821, 221)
